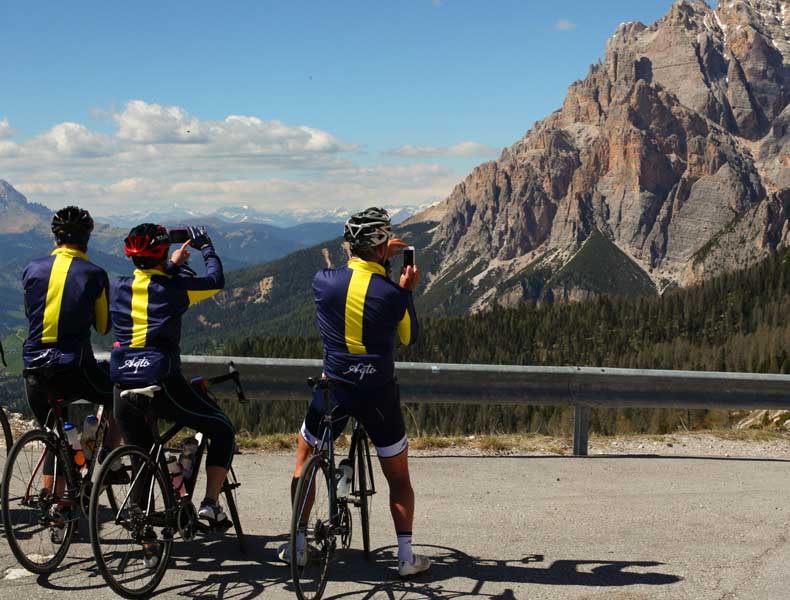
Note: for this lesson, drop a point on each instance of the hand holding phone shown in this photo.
(408, 256)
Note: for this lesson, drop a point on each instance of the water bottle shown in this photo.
(176, 476)
(187, 458)
(345, 472)
(89, 429)
(73, 438)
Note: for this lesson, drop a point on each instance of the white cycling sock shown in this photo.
(405, 552)
(301, 542)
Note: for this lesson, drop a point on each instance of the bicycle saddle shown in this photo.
(148, 391)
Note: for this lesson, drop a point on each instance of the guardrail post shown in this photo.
(581, 429)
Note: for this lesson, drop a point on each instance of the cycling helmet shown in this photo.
(147, 245)
(72, 225)
(368, 229)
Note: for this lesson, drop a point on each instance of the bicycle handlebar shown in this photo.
(231, 375)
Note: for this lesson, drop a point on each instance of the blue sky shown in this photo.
(370, 99)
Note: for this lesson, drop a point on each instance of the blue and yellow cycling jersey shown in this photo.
(360, 311)
(65, 295)
(146, 311)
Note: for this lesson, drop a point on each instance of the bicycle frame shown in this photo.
(156, 452)
(326, 447)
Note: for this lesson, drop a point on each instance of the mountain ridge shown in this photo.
(674, 147)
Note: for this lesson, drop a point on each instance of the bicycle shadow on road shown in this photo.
(456, 574)
(211, 567)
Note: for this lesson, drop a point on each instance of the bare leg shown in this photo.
(303, 453)
(396, 470)
(215, 477)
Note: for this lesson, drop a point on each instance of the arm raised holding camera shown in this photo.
(199, 288)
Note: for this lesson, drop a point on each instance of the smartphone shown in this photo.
(408, 257)
(179, 236)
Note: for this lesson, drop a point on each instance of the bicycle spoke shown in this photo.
(314, 531)
(38, 520)
(129, 541)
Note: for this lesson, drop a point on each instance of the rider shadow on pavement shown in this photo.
(209, 568)
(456, 574)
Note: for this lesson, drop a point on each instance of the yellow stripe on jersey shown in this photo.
(140, 308)
(196, 296)
(101, 311)
(355, 310)
(404, 329)
(55, 289)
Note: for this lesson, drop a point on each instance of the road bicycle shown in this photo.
(321, 516)
(132, 541)
(47, 484)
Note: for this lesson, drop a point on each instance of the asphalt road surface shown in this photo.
(506, 527)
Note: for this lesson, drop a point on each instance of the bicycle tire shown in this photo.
(132, 458)
(364, 508)
(230, 499)
(7, 433)
(307, 480)
(9, 486)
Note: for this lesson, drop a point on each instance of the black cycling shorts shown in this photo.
(90, 381)
(181, 403)
(378, 409)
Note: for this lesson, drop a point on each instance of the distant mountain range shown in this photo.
(244, 214)
(25, 234)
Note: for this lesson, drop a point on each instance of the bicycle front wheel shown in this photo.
(132, 520)
(364, 496)
(39, 517)
(313, 530)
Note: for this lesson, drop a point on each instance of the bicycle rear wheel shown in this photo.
(313, 540)
(132, 541)
(362, 490)
(230, 498)
(38, 522)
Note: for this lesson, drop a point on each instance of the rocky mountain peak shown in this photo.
(17, 215)
(674, 149)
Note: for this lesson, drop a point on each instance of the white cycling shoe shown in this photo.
(284, 554)
(213, 513)
(419, 565)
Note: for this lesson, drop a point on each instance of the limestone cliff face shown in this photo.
(674, 147)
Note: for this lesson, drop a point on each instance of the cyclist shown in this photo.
(146, 310)
(359, 312)
(66, 295)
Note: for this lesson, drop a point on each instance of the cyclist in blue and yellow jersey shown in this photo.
(360, 313)
(66, 295)
(146, 311)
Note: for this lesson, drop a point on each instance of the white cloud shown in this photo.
(465, 148)
(237, 135)
(5, 128)
(352, 187)
(71, 140)
(157, 154)
(157, 124)
(564, 25)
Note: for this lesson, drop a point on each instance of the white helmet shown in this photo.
(368, 229)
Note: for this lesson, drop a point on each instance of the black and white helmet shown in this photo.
(72, 225)
(368, 229)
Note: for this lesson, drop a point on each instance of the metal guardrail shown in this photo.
(581, 387)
